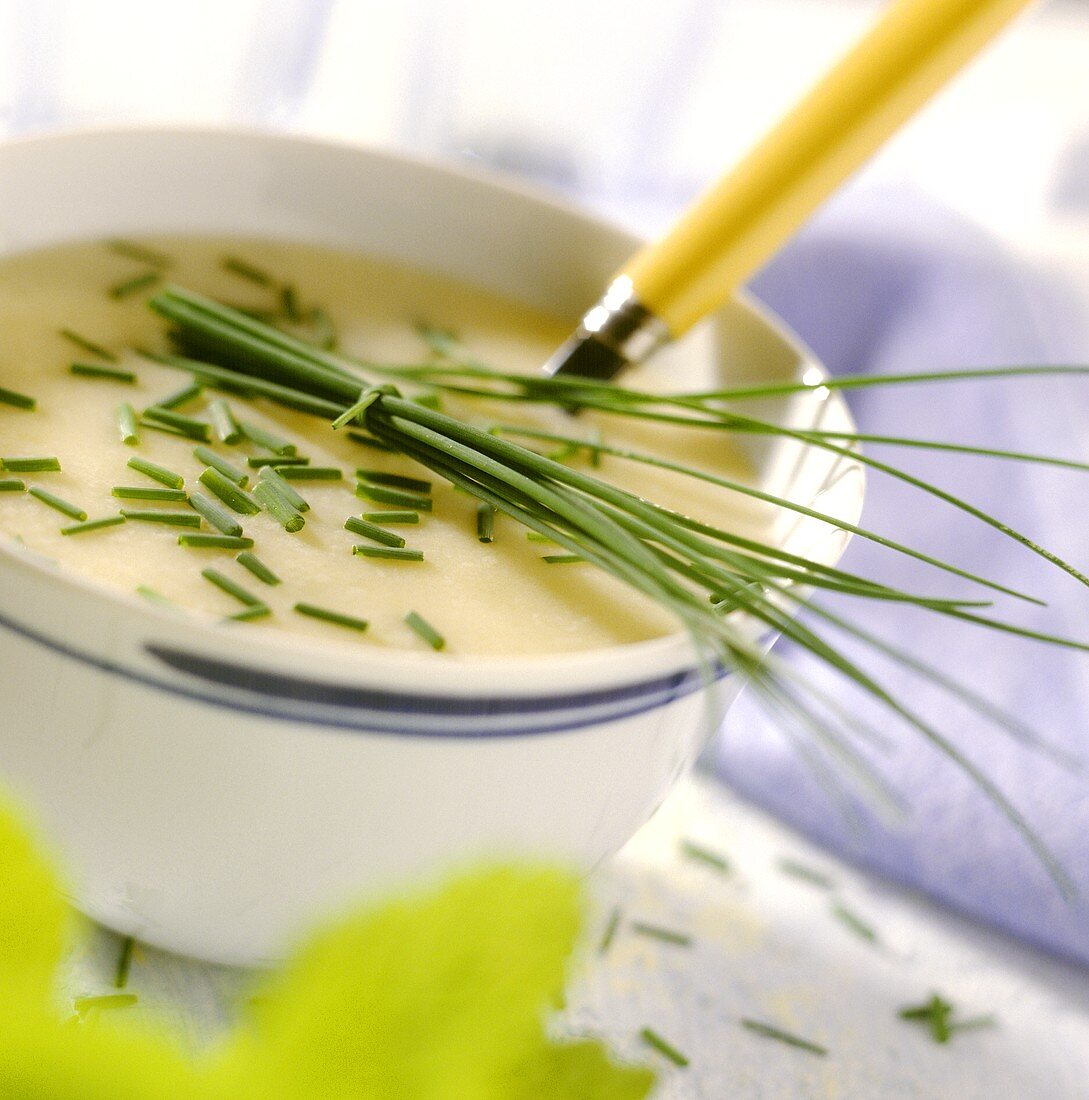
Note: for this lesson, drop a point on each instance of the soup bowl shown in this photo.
(214, 798)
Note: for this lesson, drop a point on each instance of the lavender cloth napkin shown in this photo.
(887, 282)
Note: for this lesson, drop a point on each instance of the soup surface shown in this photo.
(497, 598)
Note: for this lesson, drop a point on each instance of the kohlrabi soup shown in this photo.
(185, 490)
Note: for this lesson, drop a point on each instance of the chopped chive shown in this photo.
(425, 630)
(485, 523)
(149, 492)
(170, 519)
(611, 928)
(34, 465)
(180, 397)
(395, 481)
(289, 518)
(187, 425)
(392, 517)
(229, 471)
(390, 552)
(225, 584)
(257, 461)
(330, 616)
(353, 412)
(536, 536)
(133, 250)
(257, 567)
(291, 472)
(854, 922)
(18, 400)
(254, 611)
(269, 440)
(84, 344)
(286, 492)
(124, 963)
(155, 597)
(704, 855)
(289, 302)
(562, 559)
(441, 341)
(235, 498)
(126, 424)
(156, 473)
(370, 441)
(937, 1016)
(134, 285)
(92, 525)
(246, 271)
(666, 935)
(215, 514)
(663, 1047)
(83, 1005)
(381, 495)
(166, 429)
(226, 427)
(372, 531)
(12, 485)
(771, 1032)
(802, 871)
(62, 506)
(216, 542)
(93, 370)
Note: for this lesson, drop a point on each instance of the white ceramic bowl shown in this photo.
(213, 800)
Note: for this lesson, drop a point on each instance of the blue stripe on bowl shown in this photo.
(249, 690)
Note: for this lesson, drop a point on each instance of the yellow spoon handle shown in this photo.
(739, 223)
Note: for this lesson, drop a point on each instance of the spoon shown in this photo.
(735, 226)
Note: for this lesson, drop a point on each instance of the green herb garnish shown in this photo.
(157, 473)
(248, 614)
(391, 553)
(235, 498)
(152, 596)
(133, 250)
(937, 1016)
(180, 397)
(126, 424)
(226, 427)
(124, 963)
(286, 492)
(769, 1031)
(392, 517)
(95, 370)
(84, 344)
(12, 485)
(149, 492)
(611, 928)
(697, 852)
(802, 871)
(289, 518)
(257, 568)
(216, 515)
(230, 472)
(485, 523)
(331, 616)
(17, 400)
(128, 287)
(425, 630)
(225, 584)
(215, 542)
(184, 425)
(257, 462)
(663, 1047)
(665, 935)
(395, 481)
(295, 472)
(381, 495)
(246, 270)
(83, 1005)
(854, 922)
(30, 465)
(93, 525)
(354, 412)
(562, 559)
(57, 503)
(168, 519)
(372, 531)
(269, 440)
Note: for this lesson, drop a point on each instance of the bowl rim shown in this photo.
(341, 661)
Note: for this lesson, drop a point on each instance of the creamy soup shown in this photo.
(483, 598)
